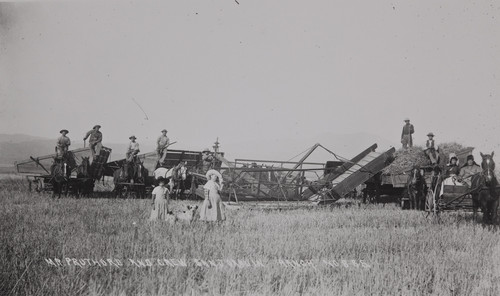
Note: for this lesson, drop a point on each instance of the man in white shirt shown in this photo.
(63, 142)
(133, 149)
(162, 143)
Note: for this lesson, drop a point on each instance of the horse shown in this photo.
(60, 171)
(178, 178)
(86, 186)
(417, 188)
(484, 190)
(131, 172)
(122, 175)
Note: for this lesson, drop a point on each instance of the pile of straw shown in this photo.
(405, 159)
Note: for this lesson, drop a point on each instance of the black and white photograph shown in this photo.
(237, 147)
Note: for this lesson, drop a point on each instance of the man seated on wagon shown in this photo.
(470, 169)
(432, 150)
(63, 142)
(133, 149)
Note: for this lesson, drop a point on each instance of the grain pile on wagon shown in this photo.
(405, 159)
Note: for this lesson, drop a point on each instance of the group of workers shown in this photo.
(431, 148)
(454, 173)
(95, 144)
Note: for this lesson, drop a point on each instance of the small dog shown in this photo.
(186, 216)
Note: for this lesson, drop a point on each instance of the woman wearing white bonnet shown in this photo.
(212, 208)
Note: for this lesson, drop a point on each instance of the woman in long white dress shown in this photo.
(212, 208)
(161, 196)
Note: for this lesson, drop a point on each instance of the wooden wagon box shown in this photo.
(454, 190)
(398, 180)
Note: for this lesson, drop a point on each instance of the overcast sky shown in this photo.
(260, 70)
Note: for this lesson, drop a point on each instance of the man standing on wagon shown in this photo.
(161, 149)
(408, 130)
(133, 149)
(95, 141)
(63, 143)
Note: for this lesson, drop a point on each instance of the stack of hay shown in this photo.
(405, 159)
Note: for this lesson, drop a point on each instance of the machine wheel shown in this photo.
(39, 185)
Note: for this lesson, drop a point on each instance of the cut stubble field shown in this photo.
(108, 247)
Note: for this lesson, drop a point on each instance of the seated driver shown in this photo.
(470, 169)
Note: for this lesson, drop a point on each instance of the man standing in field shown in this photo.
(406, 135)
(95, 141)
(161, 149)
(132, 150)
(63, 143)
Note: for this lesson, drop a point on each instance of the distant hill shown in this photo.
(20, 147)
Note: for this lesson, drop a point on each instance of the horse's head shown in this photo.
(415, 174)
(127, 171)
(488, 166)
(140, 172)
(83, 168)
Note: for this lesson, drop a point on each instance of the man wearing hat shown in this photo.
(95, 141)
(63, 142)
(207, 159)
(470, 169)
(161, 146)
(408, 130)
(432, 150)
(133, 149)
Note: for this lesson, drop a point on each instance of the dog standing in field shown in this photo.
(186, 216)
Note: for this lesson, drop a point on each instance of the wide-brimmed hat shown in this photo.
(96, 126)
(407, 119)
(164, 130)
(430, 134)
(206, 150)
(132, 137)
(213, 172)
(64, 130)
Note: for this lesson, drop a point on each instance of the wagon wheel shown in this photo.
(39, 186)
(125, 192)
